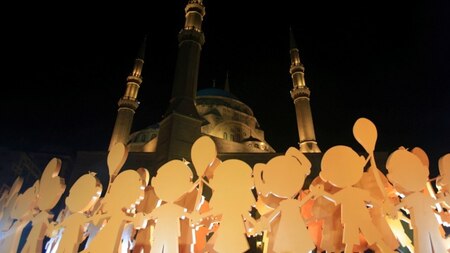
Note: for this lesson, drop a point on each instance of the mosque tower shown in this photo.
(128, 103)
(181, 125)
(300, 94)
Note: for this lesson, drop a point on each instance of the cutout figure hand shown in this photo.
(317, 190)
(263, 224)
(140, 221)
(390, 210)
(446, 199)
(195, 218)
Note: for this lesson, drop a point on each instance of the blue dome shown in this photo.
(215, 92)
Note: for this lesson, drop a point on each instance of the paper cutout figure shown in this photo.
(22, 211)
(409, 175)
(83, 195)
(51, 187)
(116, 206)
(283, 176)
(232, 200)
(343, 168)
(167, 216)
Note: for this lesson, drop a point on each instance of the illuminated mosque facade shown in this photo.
(214, 112)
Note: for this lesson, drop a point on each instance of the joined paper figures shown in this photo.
(118, 205)
(345, 208)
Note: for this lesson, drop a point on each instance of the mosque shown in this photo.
(214, 112)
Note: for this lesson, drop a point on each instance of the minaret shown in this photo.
(190, 42)
(300, 94)
(227, 84)
(181, 125)
(128, 103)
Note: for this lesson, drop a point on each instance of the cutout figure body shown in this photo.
(283, 176)
(232, 200)
(409, 176)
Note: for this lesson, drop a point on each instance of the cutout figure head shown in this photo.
(172, 181)
(406, 171)
(342, 166)
(283, 176)
(51, 186)
(232, 184)
(444, 171)
(26, 203)
(84, 193)
(118, 198)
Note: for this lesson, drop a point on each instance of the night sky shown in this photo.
(64, 72)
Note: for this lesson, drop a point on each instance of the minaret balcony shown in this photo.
(193, 34)
(299, 92)
(128, 102)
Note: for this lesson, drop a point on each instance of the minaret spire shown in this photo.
(129, 103)
(300, 94)
(227, 84)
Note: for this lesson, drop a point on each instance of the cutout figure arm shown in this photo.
(99, 218)
(318, 190)
(392, 211)
(208, 214)
(257, 226)
(310, 195)
(273, 214)
(249, 218)
(139, 220)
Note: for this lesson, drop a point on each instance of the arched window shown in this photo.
(225, 135)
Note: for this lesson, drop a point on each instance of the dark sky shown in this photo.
(66, 69)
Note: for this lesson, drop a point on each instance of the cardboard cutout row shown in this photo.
(350, 207)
